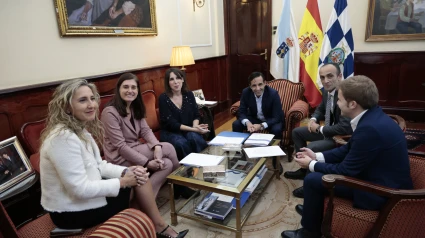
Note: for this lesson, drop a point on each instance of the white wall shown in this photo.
(32, 52)
(358, 17)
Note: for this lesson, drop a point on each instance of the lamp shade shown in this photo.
(181, 56)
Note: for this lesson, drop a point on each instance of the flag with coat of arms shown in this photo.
(310, 39)
(338, 44)
(285, 55)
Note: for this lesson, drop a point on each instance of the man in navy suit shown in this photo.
(376, 152)
(321, 137)
(260, 108)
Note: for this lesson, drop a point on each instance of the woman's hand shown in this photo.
(157, 154)
(142, 174)
(201, 128)
(155, 164)
(128, 180)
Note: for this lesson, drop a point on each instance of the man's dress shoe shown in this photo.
(300, 233)
(299, 192)
(299, 174)
(299, 208)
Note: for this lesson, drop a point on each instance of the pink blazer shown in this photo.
(121, 138)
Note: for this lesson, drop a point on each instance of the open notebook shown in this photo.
(200, 98)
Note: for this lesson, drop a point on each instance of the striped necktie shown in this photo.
(328, 111)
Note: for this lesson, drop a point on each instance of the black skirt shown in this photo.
(93, 217)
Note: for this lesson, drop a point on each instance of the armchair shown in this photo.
(293, 105)
(401, 216)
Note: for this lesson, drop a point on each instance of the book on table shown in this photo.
(229, 137)
(215, 206)
(259, 139)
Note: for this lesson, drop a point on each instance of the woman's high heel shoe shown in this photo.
(181, 234)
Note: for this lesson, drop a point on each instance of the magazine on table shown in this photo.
(243, 166)
(215, 205)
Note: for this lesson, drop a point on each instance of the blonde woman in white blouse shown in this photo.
(79, 189)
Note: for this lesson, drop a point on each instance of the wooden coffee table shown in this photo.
(194, 179)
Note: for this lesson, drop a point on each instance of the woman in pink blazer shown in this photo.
(124, 122)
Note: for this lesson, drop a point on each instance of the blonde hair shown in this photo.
(58, 116)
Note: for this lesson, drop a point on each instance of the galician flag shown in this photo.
(285, 55)
(338, 44)
(310, 39)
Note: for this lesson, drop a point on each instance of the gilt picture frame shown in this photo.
(14, 164)
(395, 20)
(106, 17)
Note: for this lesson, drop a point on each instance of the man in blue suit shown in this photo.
(260, 108)
(376, 152)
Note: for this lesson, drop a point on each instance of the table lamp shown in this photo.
(181, 56)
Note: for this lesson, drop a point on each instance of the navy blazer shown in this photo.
(377, 153)
(271, 106)
(341, 125)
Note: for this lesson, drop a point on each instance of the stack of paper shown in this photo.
(266, 151)
(228, 137)
(201, 160)
(259, 139)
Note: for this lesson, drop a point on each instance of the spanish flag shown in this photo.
(310, 39)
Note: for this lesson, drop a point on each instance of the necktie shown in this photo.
(328, 111)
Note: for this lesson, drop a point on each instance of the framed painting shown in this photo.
(106, 17)
(14, 164)
(395, 20)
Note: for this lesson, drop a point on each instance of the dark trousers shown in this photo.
(314, 196)
(275, 129)
(92, 217)
(318, 142)
(184, 142)
(403, 27)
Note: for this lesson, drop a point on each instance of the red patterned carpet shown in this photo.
(415, 139)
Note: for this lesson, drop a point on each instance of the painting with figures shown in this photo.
(396, 20)
(106, 17)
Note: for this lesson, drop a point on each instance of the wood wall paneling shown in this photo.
(399, 77)
(30, 104)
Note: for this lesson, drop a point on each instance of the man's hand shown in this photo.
(303, 161)
(253, 127)
(313, 127)
(306, 152)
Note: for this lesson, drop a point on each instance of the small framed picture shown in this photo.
(14, 164)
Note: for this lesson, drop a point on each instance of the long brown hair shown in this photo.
(137, 105)
(180, 75)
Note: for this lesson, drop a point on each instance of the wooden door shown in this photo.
(249, 41)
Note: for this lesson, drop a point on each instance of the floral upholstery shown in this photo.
(293, 105)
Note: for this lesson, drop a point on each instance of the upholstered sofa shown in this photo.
(293, 105)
